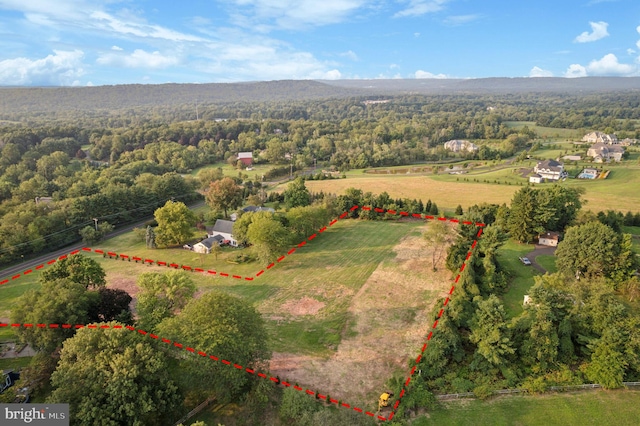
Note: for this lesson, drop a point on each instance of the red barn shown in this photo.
(246, 158)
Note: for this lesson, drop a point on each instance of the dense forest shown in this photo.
(121, 165)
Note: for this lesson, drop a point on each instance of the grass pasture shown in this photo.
(618, 407)
(492, 186)
(546, 132)
(521, 275)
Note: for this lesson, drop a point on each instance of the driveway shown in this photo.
(537, 252)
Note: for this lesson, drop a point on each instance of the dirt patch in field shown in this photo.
(304, 306)
(389, 318)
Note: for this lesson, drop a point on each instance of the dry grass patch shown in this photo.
(389, 317)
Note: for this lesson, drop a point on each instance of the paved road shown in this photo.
(32, 263)
(540, 250)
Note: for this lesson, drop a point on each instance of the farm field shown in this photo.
(546, 132)
(344, 312)
(619, 407)
(618, 190)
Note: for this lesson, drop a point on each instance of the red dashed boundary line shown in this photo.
(265, 376)
(146, 261)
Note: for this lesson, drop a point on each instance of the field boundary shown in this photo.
(275, 380)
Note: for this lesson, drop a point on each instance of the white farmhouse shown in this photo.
(224, 228)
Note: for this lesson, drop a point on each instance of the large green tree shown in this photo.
(78, 269)
(60, 301)
(529, 215)
(162, 295)
(439, 236)
(595, 250)
(115, 377)
(175, 223)
(226, 327)
(489, 331)
(268, 237)
(304, 221)
(224, 195)
(297, 194)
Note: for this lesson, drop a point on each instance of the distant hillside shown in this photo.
(493, 85)
(50, 99)
(18, 103)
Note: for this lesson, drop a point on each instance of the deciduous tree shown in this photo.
(297, 194)
(115, 376)
(268, 237)
(224, 195)
(78, 269)
(226, 327)
(162, 295)
(175, 223)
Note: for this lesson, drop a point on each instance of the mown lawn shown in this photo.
(548, 262)
(620, 407)
(521, 275)
(14, 363)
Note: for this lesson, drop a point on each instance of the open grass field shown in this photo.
(619, 189)
(522, 276)
(228, 170)
(619, 407)
(546, 132)
(331, 309)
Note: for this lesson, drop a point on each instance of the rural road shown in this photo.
(32, 263)
(540, 250)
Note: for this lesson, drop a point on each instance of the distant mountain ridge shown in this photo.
(48, 99)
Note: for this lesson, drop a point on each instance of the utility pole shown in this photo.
(96, 223)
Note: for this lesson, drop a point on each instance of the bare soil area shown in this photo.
(304, 306)
(390, 317)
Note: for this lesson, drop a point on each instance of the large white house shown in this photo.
(600, 137)
(550, 170)
(460, 145)
(224, 228)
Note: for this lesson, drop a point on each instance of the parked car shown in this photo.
(525, 260)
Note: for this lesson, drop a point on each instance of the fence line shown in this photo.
(511, 391)
(196, 410)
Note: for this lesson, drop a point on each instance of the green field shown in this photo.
(546, 132)
(331, 269)
(522, 276)
(619, 407)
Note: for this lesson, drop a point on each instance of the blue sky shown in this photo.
(98, 42)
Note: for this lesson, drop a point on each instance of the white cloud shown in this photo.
(575, 70)
(609, 65)
(539, 72)
(265, 15)
(598, 31)
(416, 35)
(349, 54)
(109, 22)
(631, 51)
(138, 59)
(461, 19)
(61, 68)
(421, 7)
(116, 48)
(332, 75)
(426, 74)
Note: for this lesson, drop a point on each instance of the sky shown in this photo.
(105, 42)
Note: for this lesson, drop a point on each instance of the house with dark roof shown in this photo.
(550, 169)
(205, 245)
(224, 228)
